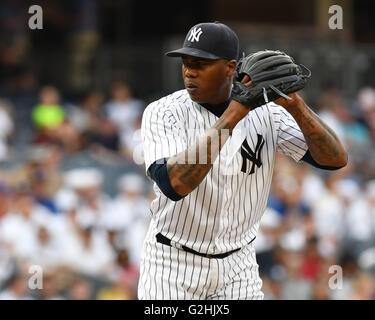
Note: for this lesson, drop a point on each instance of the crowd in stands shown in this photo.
(86, 240)
(317, 237)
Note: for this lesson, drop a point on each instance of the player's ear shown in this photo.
(231, 67)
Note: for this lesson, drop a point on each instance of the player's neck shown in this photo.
(217, 109)
(225, 95)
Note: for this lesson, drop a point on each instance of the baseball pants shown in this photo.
(168, 273)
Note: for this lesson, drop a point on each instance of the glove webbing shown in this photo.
(280, 92)
(276, 90)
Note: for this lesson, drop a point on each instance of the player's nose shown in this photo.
(190, 72)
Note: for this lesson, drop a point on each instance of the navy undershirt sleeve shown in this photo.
(309, 159)
(158, 173)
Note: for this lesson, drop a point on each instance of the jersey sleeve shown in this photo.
(290, 139)
(162, 136)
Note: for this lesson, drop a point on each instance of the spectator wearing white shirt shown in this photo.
(328, 218)
(18, 228)
(93, 256)
(48, 251)
(129, 216)
(125, 112)
(359, 218)
(87, 249)
(92, 202)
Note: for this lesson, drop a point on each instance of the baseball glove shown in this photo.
(273, 74)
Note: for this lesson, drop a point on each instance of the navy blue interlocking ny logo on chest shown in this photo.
(250, 156)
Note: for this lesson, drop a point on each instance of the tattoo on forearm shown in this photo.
(192, 165)
(323, 143)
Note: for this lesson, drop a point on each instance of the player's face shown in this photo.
(208, 81)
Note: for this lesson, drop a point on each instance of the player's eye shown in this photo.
(190, 65)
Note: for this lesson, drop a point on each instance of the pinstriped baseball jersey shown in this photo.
(224, 211)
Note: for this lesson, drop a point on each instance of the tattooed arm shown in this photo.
(187, 169)
(324, 145)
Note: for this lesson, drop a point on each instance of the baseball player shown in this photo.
(210, 150)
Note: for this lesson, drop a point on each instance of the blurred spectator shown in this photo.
(105, 138)
(4, 200)
(6, 128)
(97, 132)
(93, 255)
(350, 269)
(286, 193)
(49, 119)
(293, 285)
(44, 175)
(328, 217)
(48, 253)
(360, 217)
(124, 277)
(16, 289)
(312, 185)
(40, 172)
(48, 114)
(321, 289)
(311, 262)
(92, 201)
(50, 290)
(336, 113)
(128, 216)
(125, 273)
(366, 101)
(328, 104)
(87, 114)
(80, 289)
(125, 112)
(267, 239)
(363, 287)
(18, 228)
(366, 259)
(88, 249)
(7, 264)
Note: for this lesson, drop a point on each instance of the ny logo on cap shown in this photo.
(195, 34)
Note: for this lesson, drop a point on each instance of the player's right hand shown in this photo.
(246, 81)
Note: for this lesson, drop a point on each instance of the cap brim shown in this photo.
(186, 51)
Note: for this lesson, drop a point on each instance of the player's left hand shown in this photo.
(295, 99)
(273, 74)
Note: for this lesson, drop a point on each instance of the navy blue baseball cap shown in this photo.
(209, 40)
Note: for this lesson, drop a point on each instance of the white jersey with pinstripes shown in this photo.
(224, 211)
